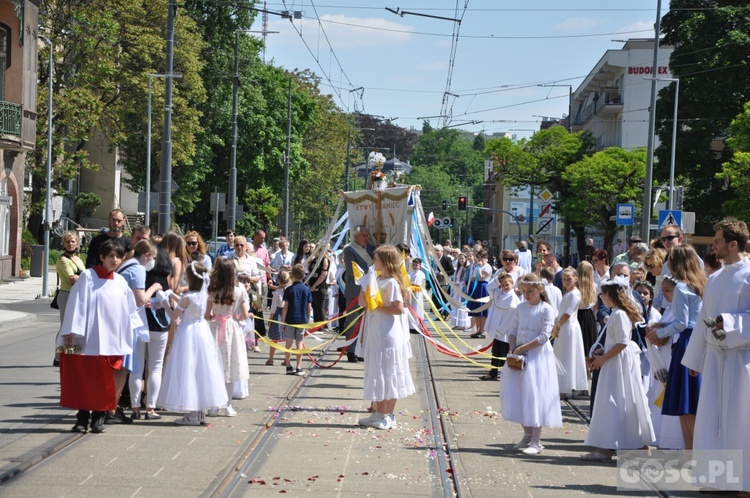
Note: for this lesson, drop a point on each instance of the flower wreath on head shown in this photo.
(204, 276)
(619, 280)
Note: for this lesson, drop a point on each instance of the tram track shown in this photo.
(237, 474)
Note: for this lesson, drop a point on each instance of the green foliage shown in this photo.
(104, 51)
(86, 203)
(712, 50)
(736, 171)
(597, 183)
(447, 165)
(54, 255)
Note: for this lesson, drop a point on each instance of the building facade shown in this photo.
(18, 90)
(613, 100)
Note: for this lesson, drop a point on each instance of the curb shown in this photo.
(15, 320)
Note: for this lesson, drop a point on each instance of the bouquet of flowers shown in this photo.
(377, 176)
(376, 160)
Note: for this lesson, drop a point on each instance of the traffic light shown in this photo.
(445, 205)
(462, 203)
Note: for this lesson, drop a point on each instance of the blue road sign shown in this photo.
(669, 217)
(625, 214)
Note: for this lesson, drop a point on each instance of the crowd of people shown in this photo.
(656, 337)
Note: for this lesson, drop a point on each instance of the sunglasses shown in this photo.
(669, 238)
(508, 260)
(239, 245)
(192, 243)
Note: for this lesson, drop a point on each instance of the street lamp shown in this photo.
(147, 220)
(48, 195)
(674, 139)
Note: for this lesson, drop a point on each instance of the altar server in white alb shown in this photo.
(99, 321)
(719, 348)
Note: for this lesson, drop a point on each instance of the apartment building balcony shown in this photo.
(605, 102)
(17, 128)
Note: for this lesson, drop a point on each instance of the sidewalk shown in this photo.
(20, 299)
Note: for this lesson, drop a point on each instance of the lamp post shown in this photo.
(147, 220)
(48, 195)
(674, 140)
(566, 227)
(646, 218)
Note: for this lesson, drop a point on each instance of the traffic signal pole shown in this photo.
(512, 217)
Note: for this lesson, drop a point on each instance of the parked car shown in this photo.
(214, 245)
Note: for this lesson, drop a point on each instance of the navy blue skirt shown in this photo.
(480, 290)
(681, 396)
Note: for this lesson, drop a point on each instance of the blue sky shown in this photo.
(397, 67)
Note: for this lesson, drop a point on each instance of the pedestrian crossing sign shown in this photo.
(669, 217)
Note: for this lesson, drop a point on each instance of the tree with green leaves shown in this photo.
(597, 183)
(447, 165)
(736, 171)
(104, 51)
(540, 162)
(711, 52)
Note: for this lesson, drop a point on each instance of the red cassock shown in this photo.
(88, 382)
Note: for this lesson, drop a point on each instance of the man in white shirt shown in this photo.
(524, 256)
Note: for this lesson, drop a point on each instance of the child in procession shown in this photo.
(386, 343)
(620, 418)
(193, 379)
(568, 346)
(296, 311)
(530, 396)
(503, 301)
(227, 305)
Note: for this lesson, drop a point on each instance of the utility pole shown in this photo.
(165, 177)
(646, 221)
(232, 195)
(48, 184)
(287, 159)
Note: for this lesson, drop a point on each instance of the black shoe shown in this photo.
(351, 357)
(360, 359)
(79, 428)
(118, 418)
(135, 416)
(97, 422)
(289, 370)
(55, 362)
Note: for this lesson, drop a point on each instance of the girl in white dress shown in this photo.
(385, 343)
(460, 314)
(193, 378)
(620, 418)
(418, 281)
(226, 305)
(569, 341)
(531, 396)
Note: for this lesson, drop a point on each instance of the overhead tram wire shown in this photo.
(317, 61)
(520, 9)
(451, 65)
